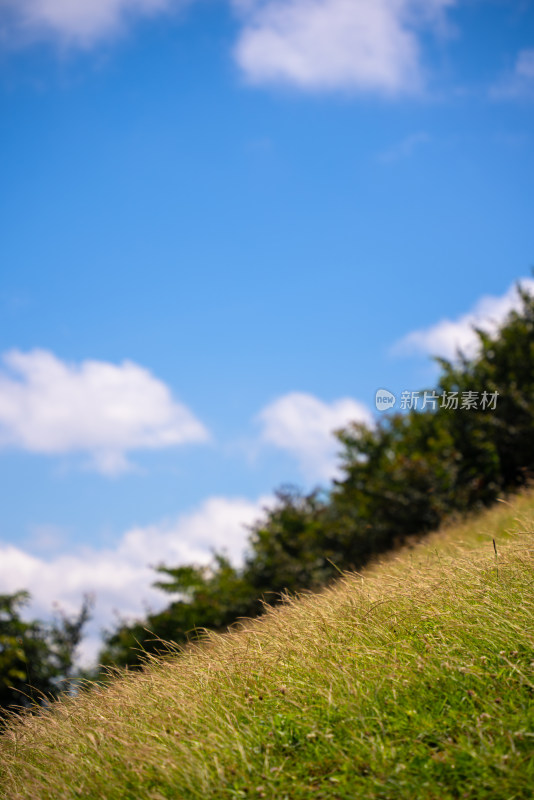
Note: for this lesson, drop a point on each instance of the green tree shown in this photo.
(207, 597)
(289, 548)
(497, 445)
(400, 478)
(36, 658)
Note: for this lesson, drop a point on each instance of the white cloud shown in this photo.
(80, 22)
(371, 45)
(326, 44)
(302, 425)
(405, 148)
(121, 578)
(446, 337)
(97, 408)
(519, 83)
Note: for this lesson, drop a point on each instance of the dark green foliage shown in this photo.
(36, 659)
(402, 478)
(290, 549)
(497, 448)
(208, 597)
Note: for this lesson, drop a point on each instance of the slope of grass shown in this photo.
(414, 680)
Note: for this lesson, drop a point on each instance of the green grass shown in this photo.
(414, 680)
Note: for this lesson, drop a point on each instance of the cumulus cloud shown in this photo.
(121, 578)
(97, 408)
(325, 44)
(80, 22)
(448, 336)
(370, 45)
(519, 83)
(303, 426)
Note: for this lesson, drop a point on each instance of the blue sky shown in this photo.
(224, 226)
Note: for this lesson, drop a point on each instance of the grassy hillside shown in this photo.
(414, 680)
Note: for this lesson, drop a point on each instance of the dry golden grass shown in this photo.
(412, 680)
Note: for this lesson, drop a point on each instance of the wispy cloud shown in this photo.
(448, 336)
(121, 578)
(77, 22)
(369, 45)
(95, 408)
(362, 45)
(303, 426)
(405, 148)
(518, 84)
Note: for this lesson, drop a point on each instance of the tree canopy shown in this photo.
(36, 658)
(473, 440)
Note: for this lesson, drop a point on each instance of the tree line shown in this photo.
(401, 478)
(37, 659)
